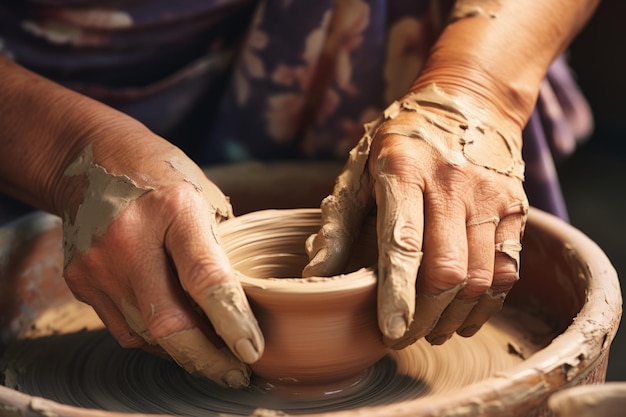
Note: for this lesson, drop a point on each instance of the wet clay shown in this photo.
(105, 197)
(489, 145)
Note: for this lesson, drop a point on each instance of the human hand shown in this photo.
(447, 182)
(142, 250)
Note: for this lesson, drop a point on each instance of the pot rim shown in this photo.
(362, 278)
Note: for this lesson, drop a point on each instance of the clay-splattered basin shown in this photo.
(567, 282)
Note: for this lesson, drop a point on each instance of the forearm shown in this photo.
(498, 51)
(43, 127)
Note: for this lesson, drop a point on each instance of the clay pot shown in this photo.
(317, 330)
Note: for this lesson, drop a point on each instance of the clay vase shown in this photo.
(317, 330)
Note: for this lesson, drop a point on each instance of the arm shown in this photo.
(138, 222)
(44, 127)
(498, 51)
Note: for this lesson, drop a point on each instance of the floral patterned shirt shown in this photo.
(230, 80)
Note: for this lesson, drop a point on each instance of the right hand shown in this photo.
(142, 250)
(450, 205)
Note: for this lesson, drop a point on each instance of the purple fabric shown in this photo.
(271, 79)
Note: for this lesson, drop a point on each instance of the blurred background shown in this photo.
(594, 179)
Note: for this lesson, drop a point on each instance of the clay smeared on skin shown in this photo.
(135, 321)
(430, 307)
(464, 131)
(192, 351)
(512, 249)
(191, 174)
(472, 8)
(488, 304)
(105, 197)
(228, 309)
(399, 260)
(349, 201)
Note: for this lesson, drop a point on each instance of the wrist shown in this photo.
(509, 100)
(115, 140)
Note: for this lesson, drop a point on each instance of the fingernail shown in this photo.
(439, 339)
(236, 379)
(396, 326)
(246, 351)
(468, 331)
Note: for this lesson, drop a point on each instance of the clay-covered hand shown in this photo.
(142, 249)
(446, 179)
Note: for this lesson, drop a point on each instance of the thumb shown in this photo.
(343, 212)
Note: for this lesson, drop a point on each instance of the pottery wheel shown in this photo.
(67, 356)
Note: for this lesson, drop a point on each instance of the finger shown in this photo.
(189, 346)
(135, 321)
(163, 310)
(343, 213)
(480, 243)
(451, 319)
(116, 323)
(191, 349)
(506, 273)
(400, 226)
(444, 268)
(205, 273)
(105, 308)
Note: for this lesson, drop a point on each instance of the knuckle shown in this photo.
(180, 197)
(205, 273)
(395, 161)
(506, 263)
(478, 281)
(504, 281)
(80, 285)
(80, 292)
(129, 341)
(447, 273)
(407, 238)
(74, 275)
(166, 322)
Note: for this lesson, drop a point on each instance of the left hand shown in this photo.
(450, 203)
